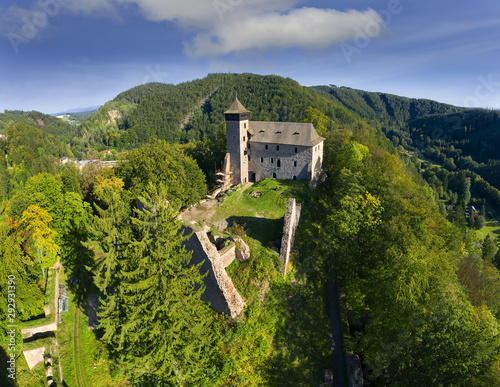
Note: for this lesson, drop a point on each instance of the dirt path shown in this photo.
(199, 212)
(40, 329)
(77, 349)
(339, 365)
(206, 210)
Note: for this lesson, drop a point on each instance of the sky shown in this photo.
(56, 55)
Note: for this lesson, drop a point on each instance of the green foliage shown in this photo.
(489, 248)
(457, 138)
(210, 154)
(161, 163)
(32, 151)
(166, 332)
(76, 228)
(5, 181)
(45, 191)
(35, 221)
(49, 124)
(383, 234)
(15, 262)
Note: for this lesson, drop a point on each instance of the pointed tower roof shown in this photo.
(236, 108)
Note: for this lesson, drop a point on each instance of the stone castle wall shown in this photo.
(261, 165)
(291, 221)
(220, 291)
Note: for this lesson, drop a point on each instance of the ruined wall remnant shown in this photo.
(242, 250)
(292, 216)
(227, 255)
(220, 291)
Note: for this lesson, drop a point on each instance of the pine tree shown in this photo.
(112, 228)
(167, 337)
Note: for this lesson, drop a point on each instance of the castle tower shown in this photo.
(237, 124)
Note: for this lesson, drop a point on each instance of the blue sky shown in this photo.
(61, 54)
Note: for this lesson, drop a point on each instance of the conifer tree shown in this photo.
(167, 336)
(112, 228)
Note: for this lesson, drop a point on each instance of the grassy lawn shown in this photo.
(33, 378)
(270, 204)
(91, 360)
(492, 229)
(258, 214)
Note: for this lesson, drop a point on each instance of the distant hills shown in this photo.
(88, 109)
(193, 111)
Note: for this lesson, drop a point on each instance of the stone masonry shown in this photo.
(291, 221)
(258, 150)
(220, 291)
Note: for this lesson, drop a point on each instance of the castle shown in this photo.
(258, 150)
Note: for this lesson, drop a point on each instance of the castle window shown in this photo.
(245, 125)
(262, 160)
(274, 175)
(243, 138)
(272, 160)
(296, 149)
(248, 157)
(294, 163)
(278, 163)
(267, 147)
(277, 147)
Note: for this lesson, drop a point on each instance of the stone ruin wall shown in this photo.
(220, 291)
(291, 221)
(227, 255)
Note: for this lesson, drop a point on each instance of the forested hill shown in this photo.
(388, 109)
(454, 137)
(160, 110)
(153, 109)
(50, 124)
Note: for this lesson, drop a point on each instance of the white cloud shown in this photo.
(238, 25)
(309, 28)
(206, 13)
(224, 26)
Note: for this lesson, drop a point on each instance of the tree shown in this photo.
(159, 163)
(45, 191)
(489, 248)
(496, 260)
(36, 220)
(5, 182)
(76, 229)
(472, 222)
(480, 222)
(317, 118)
(29, 297)
(71, 179)
(112, 230)
(168, 290)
